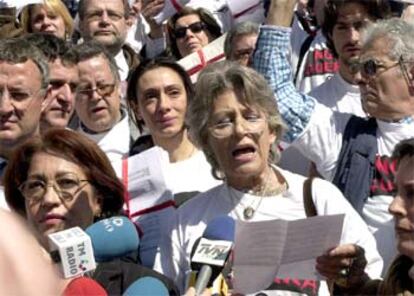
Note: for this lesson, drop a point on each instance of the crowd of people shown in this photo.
(309, 112)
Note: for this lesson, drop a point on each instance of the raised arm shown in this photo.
(271, 60)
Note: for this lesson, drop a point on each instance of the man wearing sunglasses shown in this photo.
(353, 152)
(98, 101)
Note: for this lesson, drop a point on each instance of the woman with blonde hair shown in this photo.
(50, 17)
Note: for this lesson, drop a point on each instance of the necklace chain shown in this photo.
(249, 211)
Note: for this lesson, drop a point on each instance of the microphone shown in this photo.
(73, 249)
(145, 286)
(113, 238)
(212, 250)
(83, 286)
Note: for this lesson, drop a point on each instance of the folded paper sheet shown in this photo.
(282, 249)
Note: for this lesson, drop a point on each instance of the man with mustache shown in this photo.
(105, 21)
(351, 151)
(64, 78)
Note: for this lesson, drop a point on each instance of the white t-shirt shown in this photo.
(115, 142)
(321, 142)
(334, 93)
(190, 175)
(317, 65)
(191, 220)
(339, 95)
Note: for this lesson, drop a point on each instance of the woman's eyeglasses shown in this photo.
(197, 27)
(253, 124)
(66, 186)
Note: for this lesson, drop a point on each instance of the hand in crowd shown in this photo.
(281, 12)
(408, 13)
(192, 292)
(150, 9)
(344, 265)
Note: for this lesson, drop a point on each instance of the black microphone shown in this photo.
(212, 250)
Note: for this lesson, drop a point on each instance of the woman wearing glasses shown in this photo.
(62, 180)
(50, 17)
(235, 119)
(190, 30)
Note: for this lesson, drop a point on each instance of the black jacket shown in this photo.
(117, 275)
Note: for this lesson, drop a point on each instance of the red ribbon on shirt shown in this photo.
(176, 5)
(203, 62)
(127, 197)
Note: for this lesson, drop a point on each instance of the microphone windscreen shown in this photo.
(113, 238)
(146, 286)
(83, 286)
(220, 228)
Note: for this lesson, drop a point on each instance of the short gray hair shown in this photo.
(216, 79)
(243, 28)
(19, 50)
(399, 35)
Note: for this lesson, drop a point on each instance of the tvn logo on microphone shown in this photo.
(212, 252)
(75, 251)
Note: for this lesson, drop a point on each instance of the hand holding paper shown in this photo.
(169, 9)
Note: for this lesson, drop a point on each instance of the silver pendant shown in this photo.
(248, 213)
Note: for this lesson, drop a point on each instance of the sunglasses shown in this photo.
(371, 68)
(194, 27)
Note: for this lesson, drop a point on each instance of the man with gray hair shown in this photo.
(240, 42)
(24, 79)
(352, 152)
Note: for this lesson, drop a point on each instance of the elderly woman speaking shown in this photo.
(234, 119)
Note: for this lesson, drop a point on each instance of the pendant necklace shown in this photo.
(250, 211)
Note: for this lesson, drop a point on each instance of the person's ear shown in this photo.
(47, 98)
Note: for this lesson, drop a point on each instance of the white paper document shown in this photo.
(282, 249)
(145, 179)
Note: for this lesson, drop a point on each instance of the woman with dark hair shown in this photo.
(61, 180)
(159, 92)
(190, 30)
